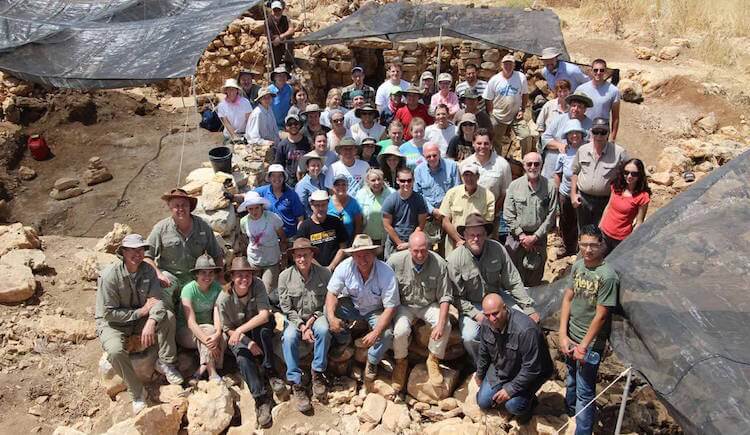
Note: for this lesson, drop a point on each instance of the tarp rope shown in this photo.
(185, 124)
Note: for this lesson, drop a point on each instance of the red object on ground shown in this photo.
(38, 147)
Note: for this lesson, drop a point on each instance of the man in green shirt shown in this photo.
(530, 209)
(585, 323)
(128, 303)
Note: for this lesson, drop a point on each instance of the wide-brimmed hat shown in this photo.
(179, 193)
(580, 96)
(240, 264)
(346, 141)
(445, 77)
(319, 195)
(413, 90)
(469, 93)
(391, 150)
(231, 83)
(367, 108)
(362, 242)
(467, 118)
(133, 241)
(302, 243)
(469, 166)
(262, 92)
(310, 108)
(475, 220)
(253, 198)
(427, 75)
(572, 125)
(369, 141)
(243, 72)
(306, 158)
(550, 53)
(204, 262)
(280, 70)
(275, 168)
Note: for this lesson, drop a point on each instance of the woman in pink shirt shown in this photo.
(445, 96)
(627, 205)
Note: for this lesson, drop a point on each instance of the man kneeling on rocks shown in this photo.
(368, 291)
(514, 360)
(426, 293)
(128, 302)
(245, 315)
(302, 295)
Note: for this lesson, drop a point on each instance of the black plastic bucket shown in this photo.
(221, 159)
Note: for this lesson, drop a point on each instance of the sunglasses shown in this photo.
(598, 70)
(632, 173)
(337, 121)
(533, 164)
(599, 132)
(408, 180)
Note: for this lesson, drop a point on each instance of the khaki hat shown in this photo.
(204, 262)
(369, 141)
(302, 243)
(362, 242)
(509, 58)
(467, 166)
(280, 70)
(475, 220)
(231, 83)
(395, 90)
(467, 118)
(427, 75)
(133, 241)
(306, 158)
(469, 93)
(241, 264)
(413, 90)
(179, 193)
(580, 96)
(346, 141)
(391, 150)
(310, 108)
(319, 195)
(550, 53)
(367, 108)
(445, 77)
(262, 92)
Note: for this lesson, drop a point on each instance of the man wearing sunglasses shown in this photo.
(604, 95)
(530, 209)
(594, 168)
(404, 211)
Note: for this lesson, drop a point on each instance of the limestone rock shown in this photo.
(396, 417)
(469, 393)
(17, 236)
(62, 195)
(349, 424)
(112, 239)
(248, 414)
(448, 404)
(64, 430)
(171, 393)
(631, 91)
(680, 42)
(669, 52)
(63, 328)
(453, 426)
(421, 389)
(210, 409)
(25, 173)
(342, 391)
(32, 258)
(542, 425)
(66, 183)
(644, 53)
(212, 197)
(91, 263)
(163, 419)
(708, 123)
(17, 285)
(200, 175)
(384, 388)
(373, 408)
(96, 176)
(421, 339)
(222, 221)
(661, 178)
(672, 159)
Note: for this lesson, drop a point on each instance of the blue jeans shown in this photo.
(290, 342)
(520, 404)
(580, 389)
(347, 311)
(470, 334)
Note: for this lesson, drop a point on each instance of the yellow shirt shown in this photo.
(458, 204)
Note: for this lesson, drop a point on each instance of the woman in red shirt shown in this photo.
(627, 205)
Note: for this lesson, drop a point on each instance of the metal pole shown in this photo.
(625, 392)
(268, 37)
(439, 52)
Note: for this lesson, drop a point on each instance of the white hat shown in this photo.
(132, 241)
(276, 168)
(319, 195)
(277, 5)
(231, 83)
(427, 75)
(509, 58)
(445, 77)
(469, 167)
(253, 198)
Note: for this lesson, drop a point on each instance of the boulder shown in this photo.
(448, 404)
(61, 195)
(222, 221)
(212, 197)
(17, 285)
(26, 173)
(672, 159)
(32, 258)
(61, 328)
(661, 178)
(17, 236)
(171, 393)
(421, 389)
(467, 394)
(453, 426)
(111, 241)
(210, 409)
(246, 405)
(349, 424)
(157, 420)
(383, 388)
(669, 52)
(91, 263)
(373, 408)
(709, 123)
(200, 175)
(644, 53)
(64, 430)
(422, 333)
(631, 91)
(396, 417)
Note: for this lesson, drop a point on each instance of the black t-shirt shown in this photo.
(459, 149)
(326, 237)
(288, 155)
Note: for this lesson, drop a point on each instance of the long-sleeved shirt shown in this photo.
(433, 184)
(262, 126)
(119, 295)
(530, 211)
(301, 299)
(420, 288)
(491, 272)
(555, 130)
(378, 292)
(516, 358)
(234, 312)
(281, 102)
(306, 187)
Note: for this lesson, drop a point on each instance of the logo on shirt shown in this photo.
(322, 237)
(586, 288)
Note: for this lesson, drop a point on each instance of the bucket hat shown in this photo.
(362, 242)
(475, 220)
(179, 193)
(134, 241)
(310, 108)
(302, 243)
(306, 158)
(262, 92)
(346, 142)
(319, 195)
(580, 96)
(253, 198)
(549, 53)
(204, 262)
(413, 90)
(275, 168)
(280, 70)
(241, 264)
(572, 125)
(367, 108)
(231, 83)
(391, 150)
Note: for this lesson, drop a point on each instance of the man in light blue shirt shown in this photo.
(282, 91)
(434, 177)
(363, 288)
(556, 69)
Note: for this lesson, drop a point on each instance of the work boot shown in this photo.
(433, 370)
(263, 411)
(300, 395)
(318, 384)
(371, 371)
(399, 374)
(170, 372)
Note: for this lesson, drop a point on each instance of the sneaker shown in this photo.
(371, 371)
(319, 386)
(300, 395)
(170, 372)
(263, 411)
(138, 406)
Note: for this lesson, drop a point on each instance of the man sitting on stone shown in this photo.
(302, 295)
(478, 267)
(514, 360)
(176, 242)
(426, 293)
(364, 288)
(128, 302)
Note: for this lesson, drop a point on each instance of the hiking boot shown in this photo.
(263, 411)
(319, 386)
(277, 385)
(371, 371)
(525, 418)
(138, 406)
(170, 372)
(433, 370)
(399, 374)
(300, 395)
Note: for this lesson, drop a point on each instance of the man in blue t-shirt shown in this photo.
(404, 211)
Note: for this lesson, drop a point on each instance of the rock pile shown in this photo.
(96, 172)
(66, 188)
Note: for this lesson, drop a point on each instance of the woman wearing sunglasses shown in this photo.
(627, 205)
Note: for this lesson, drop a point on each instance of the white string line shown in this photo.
(594, 400)
(185, 126)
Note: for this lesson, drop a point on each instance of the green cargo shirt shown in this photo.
(177, 254)
(299, 299)
(119, 295)
(528, 211)
(429, 285)
(233, 313)
(492, 272)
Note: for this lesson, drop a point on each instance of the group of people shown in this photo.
(378, 208)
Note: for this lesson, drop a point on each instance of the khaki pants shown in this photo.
(520, 129)
(171, 295)
(114, 342)
(188, 340)
(405, 317)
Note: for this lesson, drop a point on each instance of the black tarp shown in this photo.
(109, 43)
(505, 27)
(685, 291)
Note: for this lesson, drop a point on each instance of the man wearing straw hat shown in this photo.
(364, 288)
(176, 242)
(556, 69)
(302, 295)
(128, 303)
(261, 127)
(234, 110)
(349, 165)
(367, 125)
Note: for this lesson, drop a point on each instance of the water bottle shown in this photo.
(592, 357)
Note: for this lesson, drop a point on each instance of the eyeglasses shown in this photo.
(533, 164)
(408, 180)
(632, 173)
(599, 132)
(337, 121)
(598, 70)
(588, 245)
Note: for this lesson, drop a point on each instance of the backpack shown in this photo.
(210, 121)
